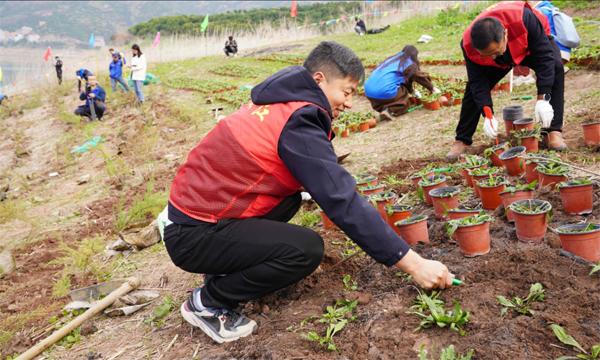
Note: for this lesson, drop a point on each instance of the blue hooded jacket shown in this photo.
(305, 149)
(83, 73)
(116, 69)
(98, 91)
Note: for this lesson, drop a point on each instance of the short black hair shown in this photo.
(485, 31)
(335, 60)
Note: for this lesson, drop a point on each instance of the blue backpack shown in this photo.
(566, 33)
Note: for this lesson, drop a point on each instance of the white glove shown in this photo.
(305, 196)
(436, 90)
(544, 113)
(417, 94)
(490, 127)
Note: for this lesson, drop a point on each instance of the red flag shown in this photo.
(294, 9)
(47, 54)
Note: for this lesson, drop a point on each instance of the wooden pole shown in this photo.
(34, 351)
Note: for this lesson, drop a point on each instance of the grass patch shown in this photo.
(306, 218)
(149, 205)
(11, 209)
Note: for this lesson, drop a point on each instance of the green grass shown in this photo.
(150, 204)
(11, 209)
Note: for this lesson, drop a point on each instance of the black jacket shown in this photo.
(541, 59)
(305, 149)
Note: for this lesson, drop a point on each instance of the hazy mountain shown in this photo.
(71, 22)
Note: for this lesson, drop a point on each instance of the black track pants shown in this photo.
(255, 256)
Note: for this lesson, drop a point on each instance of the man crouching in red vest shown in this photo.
(507, 34)
(231, 200)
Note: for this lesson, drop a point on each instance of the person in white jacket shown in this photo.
(138, 71)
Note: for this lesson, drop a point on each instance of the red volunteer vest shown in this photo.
(510, 14)
(235, 171)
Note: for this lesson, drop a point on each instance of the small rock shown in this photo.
(53, 174)
(171, 157)
(553, 240)
(7, 263)
(119, 245)
(84, 179)
(12, 307)
(363, 298)
(88, 327)
(265, 309)
(148, 236)
(138, 297)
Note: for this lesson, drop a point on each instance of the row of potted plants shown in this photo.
(349, 122)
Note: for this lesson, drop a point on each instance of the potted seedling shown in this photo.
(577, 196)
(529, 138)
(344, 131)
(515, 193)
(430, 183)
(552, 173)
(456, 97)
(363, 180)
(504, 85)
(327, 223)
(591, 132)
(510, 114)
(420, 175)
(471, 162)
(524, 124)
(532, 161)
(371, 120)
(444, 199)
(413, 229)
(513, 160)
(490, 189)
(396, 213)
(431, 102)
(494, 152)
(461, 212)
(382, 200)
(363, 126)
(371, 189)
(472, 234)
(478, 174)
(581, 239)
(531, 219)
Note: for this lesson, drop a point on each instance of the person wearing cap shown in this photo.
(94, 95)
(58, 64)
(507, 34)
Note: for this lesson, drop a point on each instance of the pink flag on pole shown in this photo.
(294, 9)
(156, 39)
(47, 54)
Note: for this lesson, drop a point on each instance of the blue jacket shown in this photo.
(305, 149)
(386, 78)
(83, 73)
(545, 7)
(98, 91)
(116, 69)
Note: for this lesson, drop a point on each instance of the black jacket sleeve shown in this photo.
(83, 96)
(308, 154)
(478, 83)
(541, 54)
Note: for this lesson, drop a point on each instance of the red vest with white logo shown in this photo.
(510, 14)
(235, 171)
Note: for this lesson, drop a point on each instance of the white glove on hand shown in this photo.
(417, 94)
(305, 196)
(436, 90)
(544, 113)
(490, 127)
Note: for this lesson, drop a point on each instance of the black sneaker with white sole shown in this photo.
(221, 325)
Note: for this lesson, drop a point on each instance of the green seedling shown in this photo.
(531, 207)
(552, 168)
(432, 180)
(481, 171)
(521, 187)
(595, 269)
(563, 337)
(349, 283)
(448, 353)
(519, 305)
(434, 313)
(404, 276)
(453, 225)
(526, 133)
(491, 150)
(579, 229)
(575, 182)
(473, 161)
(393, 180)
(492, 181)
(421, 305)
(336, 317)
(160, 312)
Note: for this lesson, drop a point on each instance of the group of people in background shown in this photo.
(94, 95)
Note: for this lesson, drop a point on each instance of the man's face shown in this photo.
(495, 49)
(338, 91)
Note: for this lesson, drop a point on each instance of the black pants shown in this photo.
(230, 50)
(84, 110)
(59, 76)
(253, 257)
(470, 112)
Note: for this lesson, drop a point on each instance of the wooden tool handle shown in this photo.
(127, 286)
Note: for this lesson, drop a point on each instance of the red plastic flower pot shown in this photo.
(510, 197)
(372, 123)
(444, 199)
(531, 228)
(490, 196)
(432, 105)
(366, 180)
(386, 199)
(504, 87)
(366, 191)
(428, 188)
(473, 240)
(397, 213)
(591, 133)
(461, 213)
(456, 101)
(513, 160)
(524, 123)
(353, 127)
(414, 229)
(577, 199)
(363, 126)
(327, 223)
(551, 180)
(582, 240)
(345, 133)
(415, 178)
(531, 143)
(509, 126)
(531, 173)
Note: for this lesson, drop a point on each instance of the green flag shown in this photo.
(204, 24)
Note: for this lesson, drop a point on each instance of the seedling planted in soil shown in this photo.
(563, 337)
(453, 225)
(521, 306)
(336, 317)
(349, 284)
(434, 313)
(595, 269)
(448, 353)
